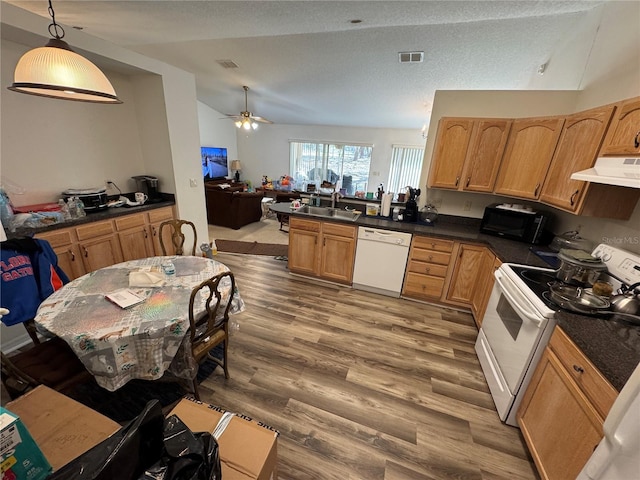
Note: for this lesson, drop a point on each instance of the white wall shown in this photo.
(265, 151)
(218, 131)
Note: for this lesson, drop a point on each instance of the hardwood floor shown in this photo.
(361, 386)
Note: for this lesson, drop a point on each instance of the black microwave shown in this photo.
(514, 222)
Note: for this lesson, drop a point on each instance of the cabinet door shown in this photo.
(303, 251)
(136, 243)
(68, 253)
(338, 254)
(623, 136)
(466, 272)
(577, 149)
(70, 261)
(100, 252)
(485, 154)
(155, 239)
(527, 156)
(449, 152)
(561, 428)
(485, 281)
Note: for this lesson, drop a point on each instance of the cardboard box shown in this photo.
(248, 449)
(20, 457)
(63, 428)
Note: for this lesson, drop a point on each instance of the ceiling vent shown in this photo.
(227, 63)
(411, 57)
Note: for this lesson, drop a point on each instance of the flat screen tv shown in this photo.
(214, 163)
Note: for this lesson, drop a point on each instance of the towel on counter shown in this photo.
(146, 279)
(580, 255)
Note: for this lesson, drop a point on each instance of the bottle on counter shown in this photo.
(80, 208)
(64, 210)
(72, 207)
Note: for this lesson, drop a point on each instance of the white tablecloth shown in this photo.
(117, 345)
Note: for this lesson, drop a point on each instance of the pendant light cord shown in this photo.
(54, 28)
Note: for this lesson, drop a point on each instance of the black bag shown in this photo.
(148, 448)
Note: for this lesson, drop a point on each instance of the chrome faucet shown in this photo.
(334, 196)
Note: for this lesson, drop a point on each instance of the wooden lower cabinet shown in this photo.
(68, 252)
(468, 273)
(563, 410)
(427, 268)
(485, 282)
(154, 219)
(322, 249)
(91, 246)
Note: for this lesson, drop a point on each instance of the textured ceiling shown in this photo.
(305, 63)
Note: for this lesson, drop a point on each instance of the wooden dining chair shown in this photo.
(211, 328)
(52, 363)
(177, 236)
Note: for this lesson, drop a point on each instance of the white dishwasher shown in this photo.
(381, 258)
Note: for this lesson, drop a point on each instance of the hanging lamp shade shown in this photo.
(57, 71)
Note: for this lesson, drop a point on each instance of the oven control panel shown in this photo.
(620, 263)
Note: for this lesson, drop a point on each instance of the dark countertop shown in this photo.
(105, 214)
(446, 226)
(612, 346)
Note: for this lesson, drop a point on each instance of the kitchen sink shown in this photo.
(328, 212)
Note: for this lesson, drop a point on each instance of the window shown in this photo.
(313, 162)
(406, 165)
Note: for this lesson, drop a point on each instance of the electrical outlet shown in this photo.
(467, 206)
(193, 182)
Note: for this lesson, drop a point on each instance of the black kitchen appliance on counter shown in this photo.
(94, 199)
(148, 185)
(410, 213)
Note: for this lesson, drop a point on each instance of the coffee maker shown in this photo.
(148, 185)
(410, 213)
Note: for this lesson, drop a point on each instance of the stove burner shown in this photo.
(538, 276)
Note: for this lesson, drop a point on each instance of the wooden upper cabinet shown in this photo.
(577, 149)
(450, 151)
(623, 136)
(528, 153)
(488, 140)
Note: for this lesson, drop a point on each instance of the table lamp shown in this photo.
(235, 165)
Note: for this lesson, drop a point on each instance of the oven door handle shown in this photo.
(514, 302)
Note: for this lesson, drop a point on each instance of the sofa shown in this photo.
(232, 207)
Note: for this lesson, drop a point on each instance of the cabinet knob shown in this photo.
(535, 192)
(427, 269)
(468, 181)
(154, 232)
(636, 140)
(578, 368)
(572, 200)
(86, 252)
(146, 235)
(457, 181)
(430, 257)
(73, 255)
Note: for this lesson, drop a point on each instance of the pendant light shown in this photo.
(56, 71)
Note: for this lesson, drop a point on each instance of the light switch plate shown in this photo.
(193, 182)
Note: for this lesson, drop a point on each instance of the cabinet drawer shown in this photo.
(428, 269)
(432, 244)
(160, 214)
(301, 224)
(96, 229)
(130, 221)
(339, 230)
(430, 256)
(423, 285)
(57, 238)
(597, 389)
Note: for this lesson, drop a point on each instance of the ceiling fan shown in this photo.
(246, 120)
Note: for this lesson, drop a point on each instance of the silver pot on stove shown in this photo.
(582, 271)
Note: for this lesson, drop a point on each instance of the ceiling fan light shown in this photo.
(246, 125)
(238, 123)
(254, 125)
(58, 72)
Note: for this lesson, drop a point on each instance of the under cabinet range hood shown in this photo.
(620, 171)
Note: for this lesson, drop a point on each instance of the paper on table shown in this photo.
(146, 279)
(124, 298)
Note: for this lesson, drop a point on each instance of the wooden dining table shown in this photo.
(143, 341)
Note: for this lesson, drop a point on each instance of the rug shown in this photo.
(252, 248)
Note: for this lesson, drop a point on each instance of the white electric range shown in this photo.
(519, 321)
